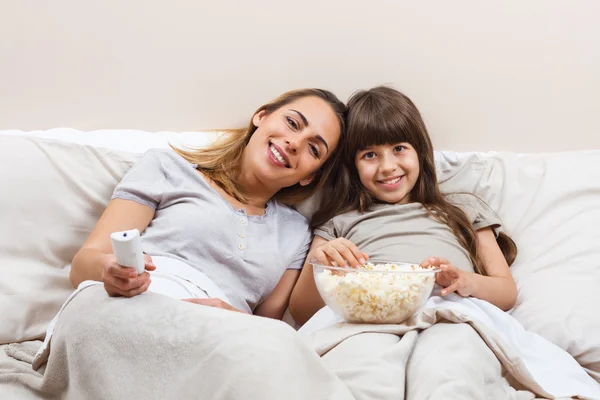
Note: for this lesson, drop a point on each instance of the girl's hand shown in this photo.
(451, 278)
(124, 281)
(216, 303)
(340, 252)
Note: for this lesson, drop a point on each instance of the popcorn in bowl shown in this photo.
(379, 293)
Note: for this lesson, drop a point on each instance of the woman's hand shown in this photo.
(340, 252)
(451, 278)
(124, 281)
(216, 303)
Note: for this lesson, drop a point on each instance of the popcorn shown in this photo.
(376, 293)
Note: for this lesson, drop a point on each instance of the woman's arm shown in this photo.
(90, 260)
(276, 303)
(498, 287)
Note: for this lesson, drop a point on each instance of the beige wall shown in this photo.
(511, 75)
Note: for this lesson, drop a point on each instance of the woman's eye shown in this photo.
(292, 123)
(315, 151)
(400, 148)
(369, 155)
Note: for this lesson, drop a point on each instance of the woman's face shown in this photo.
(290, 144)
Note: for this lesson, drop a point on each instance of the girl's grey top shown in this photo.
(408, 232)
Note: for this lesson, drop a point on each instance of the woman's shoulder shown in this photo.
(288, 215)
(166, 159)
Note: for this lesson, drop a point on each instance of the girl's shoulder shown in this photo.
(467, 201)
(479, 212)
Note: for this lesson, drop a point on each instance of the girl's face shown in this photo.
(290, 144)
(389, 171)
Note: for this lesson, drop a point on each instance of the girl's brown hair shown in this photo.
(381, 116)
(221, 161)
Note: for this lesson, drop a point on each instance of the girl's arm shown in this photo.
(306, 300)
(498, 287)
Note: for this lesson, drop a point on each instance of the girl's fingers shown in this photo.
(335, 256)
(320, 257)
(434, 262)
(450, 289)
(359, 256)
(348, 255)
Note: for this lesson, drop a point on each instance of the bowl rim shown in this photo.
(366, 271)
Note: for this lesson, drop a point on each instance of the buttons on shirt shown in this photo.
(242, 232)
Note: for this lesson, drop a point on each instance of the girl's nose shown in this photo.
(388, 164)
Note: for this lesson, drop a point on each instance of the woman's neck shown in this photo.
(255, 192)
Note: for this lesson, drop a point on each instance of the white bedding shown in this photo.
(549, 203)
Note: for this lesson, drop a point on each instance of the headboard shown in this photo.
(514, 75)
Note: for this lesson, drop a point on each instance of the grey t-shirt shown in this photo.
(244, 255)
(406, 232)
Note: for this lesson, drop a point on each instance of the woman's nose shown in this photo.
(292, 146)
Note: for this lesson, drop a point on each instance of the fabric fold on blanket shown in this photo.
(533, 361)
(174, 349)
(172, 278)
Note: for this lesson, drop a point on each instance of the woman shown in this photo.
(224, 210)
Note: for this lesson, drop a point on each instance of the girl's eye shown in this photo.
(315, 151)
(292, 123)
(399, 148)
(369, 155)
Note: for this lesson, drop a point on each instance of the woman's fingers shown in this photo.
(115, 269)
(138, 291)
(148, 264)
(126, 287)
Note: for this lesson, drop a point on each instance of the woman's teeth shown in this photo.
(277, 155)
(392, 181)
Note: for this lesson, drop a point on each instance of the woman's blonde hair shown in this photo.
(221, 161)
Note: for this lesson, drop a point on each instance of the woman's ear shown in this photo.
(258, 117)
(308, 179)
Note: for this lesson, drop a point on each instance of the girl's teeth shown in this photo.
(391, 181)
(277, 155)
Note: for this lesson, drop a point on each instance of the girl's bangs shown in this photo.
(379, 130)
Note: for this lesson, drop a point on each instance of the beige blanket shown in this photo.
(155, 347)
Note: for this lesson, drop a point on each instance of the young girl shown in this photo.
(392, 209)
(223, 211)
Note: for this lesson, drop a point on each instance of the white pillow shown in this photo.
(550, 205)
(53, 194)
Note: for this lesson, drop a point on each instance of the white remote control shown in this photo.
(127, 247)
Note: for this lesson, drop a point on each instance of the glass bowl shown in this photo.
(376, 293)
